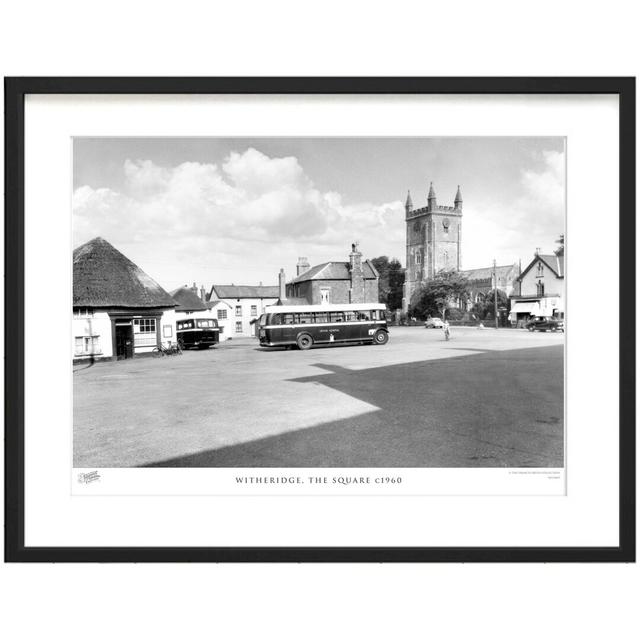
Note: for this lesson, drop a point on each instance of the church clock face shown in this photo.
(445, 224)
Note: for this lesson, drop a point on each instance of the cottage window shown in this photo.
(238, 327)
(238, 311)
(254, 310)
(167, 331)
(144, 332)
(540, 286)
(222, 314)
(87, 345)
(540, 269)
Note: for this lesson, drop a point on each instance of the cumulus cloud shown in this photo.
(513, 230)
(261, 206)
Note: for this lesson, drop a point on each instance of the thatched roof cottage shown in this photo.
(117, 307)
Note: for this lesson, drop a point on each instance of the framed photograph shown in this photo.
(320, 319)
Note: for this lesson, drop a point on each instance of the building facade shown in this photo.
(481, 281)
(433, 238)
(245, 303)
(332, 282)
(541, 290)
(117, 307)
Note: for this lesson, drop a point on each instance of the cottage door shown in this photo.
(124, 341)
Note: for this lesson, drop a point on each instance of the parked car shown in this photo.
(545, 324)
(433, 323)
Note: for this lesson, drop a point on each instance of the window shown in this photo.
(238, 311)
(305, 318)
(418, 257)
(321, 317)
(144, 325)
(144, 332)
(336, 316)
(238, 327)
(185, 324)
(87, 345)
(206, 324)
(325, 297)
(540, 270)
(350, 316)
(540, 286)
(83, 312)
(290, 318)
(167, 331)
(222, 314)
(254, 310)
(364, 316)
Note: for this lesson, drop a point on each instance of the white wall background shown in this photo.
(329, 38)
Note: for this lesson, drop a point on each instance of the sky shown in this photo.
(236, 210)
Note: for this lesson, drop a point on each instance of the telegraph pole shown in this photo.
(495, 292)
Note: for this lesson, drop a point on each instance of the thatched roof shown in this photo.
(188, 300)
(103, 277)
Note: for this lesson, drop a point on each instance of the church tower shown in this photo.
(433, 241)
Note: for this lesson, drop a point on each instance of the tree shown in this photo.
(434, 296)
(485, 308)
(391, 281)
(560, 250)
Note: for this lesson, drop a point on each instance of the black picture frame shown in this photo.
(15, 91)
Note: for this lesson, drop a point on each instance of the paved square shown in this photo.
(486, 398)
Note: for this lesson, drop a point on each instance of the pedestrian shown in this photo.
(445, 327)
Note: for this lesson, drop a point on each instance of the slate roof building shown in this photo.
(335, 282)
(117, 307)
(541, 289)
(245, 302)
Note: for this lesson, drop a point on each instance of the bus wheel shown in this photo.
(381, 337)
(304, 342)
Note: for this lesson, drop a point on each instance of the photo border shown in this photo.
(15, 91)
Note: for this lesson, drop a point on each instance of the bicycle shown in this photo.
(171, 350)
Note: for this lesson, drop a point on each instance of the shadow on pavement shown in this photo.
(490, 409)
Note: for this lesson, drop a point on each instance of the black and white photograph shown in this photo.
(324, 302)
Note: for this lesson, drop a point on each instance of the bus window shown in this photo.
(305, 318)
(206, 324)
(350, 316)
(290, 318)
(336, 316)
(364, 316)
(321, 318)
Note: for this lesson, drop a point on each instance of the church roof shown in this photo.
(335, 271)
(486, 273)
(104, 277)
(187, 300)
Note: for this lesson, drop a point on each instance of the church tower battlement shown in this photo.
(434, 235)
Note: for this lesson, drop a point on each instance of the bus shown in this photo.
(197, 333)
(303, 326)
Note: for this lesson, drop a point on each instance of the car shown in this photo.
(545, 324)
(433, 323)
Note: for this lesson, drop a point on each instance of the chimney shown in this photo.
(282, 285)
(537, 251)
(302, 266)
(203, 293)
(357, 276)
(194, 288)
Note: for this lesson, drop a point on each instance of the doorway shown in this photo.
(124, 341)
